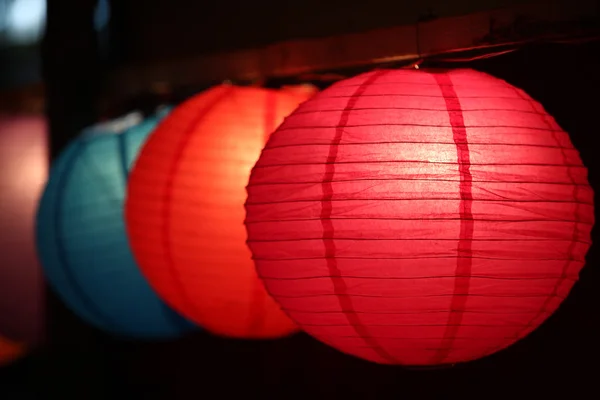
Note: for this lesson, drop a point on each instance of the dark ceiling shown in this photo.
(178, 28)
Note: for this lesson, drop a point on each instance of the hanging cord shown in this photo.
(485, 52)
(419, 60)
(479, 57)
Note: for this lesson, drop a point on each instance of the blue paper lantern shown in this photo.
(81, 237)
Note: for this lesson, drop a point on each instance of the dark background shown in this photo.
(79, 362)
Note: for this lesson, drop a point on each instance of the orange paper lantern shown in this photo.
(10, 351)
(185, 208)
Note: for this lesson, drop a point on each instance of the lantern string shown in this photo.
(479, 57)
(486, 51)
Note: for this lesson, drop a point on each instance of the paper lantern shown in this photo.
(419, 217)
(82, 241)
(10, 351)
(185, 208)
(23, 172)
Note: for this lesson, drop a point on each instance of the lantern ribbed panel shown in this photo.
(82, 242)
(419, 217)
(185, 208)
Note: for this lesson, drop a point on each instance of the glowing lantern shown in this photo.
(10, 351)
(82, 241)
(23, 172)
(419, 217)
(185, 208)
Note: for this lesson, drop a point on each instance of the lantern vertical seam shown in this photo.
(87, 302)
(257, 301)
(168, 194)
(335, 274)
(464, 250)
(571, 247)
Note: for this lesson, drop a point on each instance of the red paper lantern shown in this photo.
(10, 351)
(185, 208)
(419, 217)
